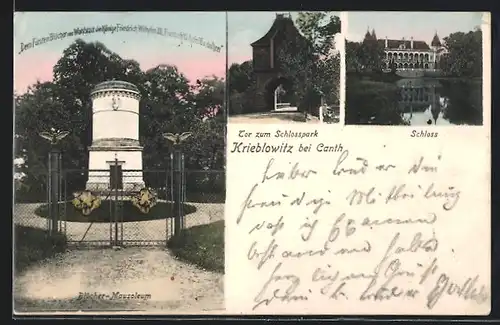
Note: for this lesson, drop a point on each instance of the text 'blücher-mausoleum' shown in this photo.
(409, 54)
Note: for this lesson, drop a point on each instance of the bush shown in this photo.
(32, 245)
(201, 245)
(465, 101)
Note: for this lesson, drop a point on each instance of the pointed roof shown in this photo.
(374, 36)
(435, 40)
(280, 24)
(368, 36)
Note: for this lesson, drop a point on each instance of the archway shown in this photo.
(279, 93)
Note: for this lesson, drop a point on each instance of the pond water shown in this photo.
(440, 102)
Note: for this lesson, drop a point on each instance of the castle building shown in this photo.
(409, 54)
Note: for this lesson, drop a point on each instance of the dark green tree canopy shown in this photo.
(169, 103)
(311, 60)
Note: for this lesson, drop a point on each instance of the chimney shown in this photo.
(411, 42)
(386, 42)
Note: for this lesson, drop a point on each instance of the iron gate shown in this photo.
(118, 207)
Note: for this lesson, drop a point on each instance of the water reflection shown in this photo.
(440, 102)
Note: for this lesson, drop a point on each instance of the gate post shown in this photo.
(54, 136)
(178, 171)
(178, 191)
(54, 179)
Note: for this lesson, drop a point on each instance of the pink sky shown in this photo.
(28, 72)
(149, 49)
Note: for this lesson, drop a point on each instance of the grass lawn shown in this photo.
(33, 245)
(201, 245)
(130, 213)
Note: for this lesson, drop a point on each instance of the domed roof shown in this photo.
(115, 84)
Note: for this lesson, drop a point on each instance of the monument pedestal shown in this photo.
(107, 163)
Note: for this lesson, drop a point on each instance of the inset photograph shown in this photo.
(284, 67)
(414, 68)
(119, 162)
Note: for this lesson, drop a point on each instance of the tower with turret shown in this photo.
(436, 42)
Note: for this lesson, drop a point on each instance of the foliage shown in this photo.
(145, 200)
(352, 60)
(201, 245)
(465, 55)
(465, 101)
(310, 59)
(372, 102)
(86, 202)
(371, 55)
(241, 76)
(364, 56)
(242, 88)
(205, 149)
(168, 104)
(33, 245)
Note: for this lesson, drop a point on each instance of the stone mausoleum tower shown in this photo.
(115, 156)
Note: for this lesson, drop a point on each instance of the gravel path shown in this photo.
(173, 286)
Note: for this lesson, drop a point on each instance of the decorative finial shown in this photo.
(53, 135)
(177, 138)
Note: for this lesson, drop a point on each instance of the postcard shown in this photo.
(387, 211)
(347, 151)
(119, 162)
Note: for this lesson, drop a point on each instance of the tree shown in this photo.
(242, 87)
(35, 111)
(205, 148)
(241, 76)
(464, 56)
(82, 66)
(371, 54)
(310, 59)
(367, 55)
(352, 57)
(168, 104)
(209, 96)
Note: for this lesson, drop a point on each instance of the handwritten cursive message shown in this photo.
(372, 226)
